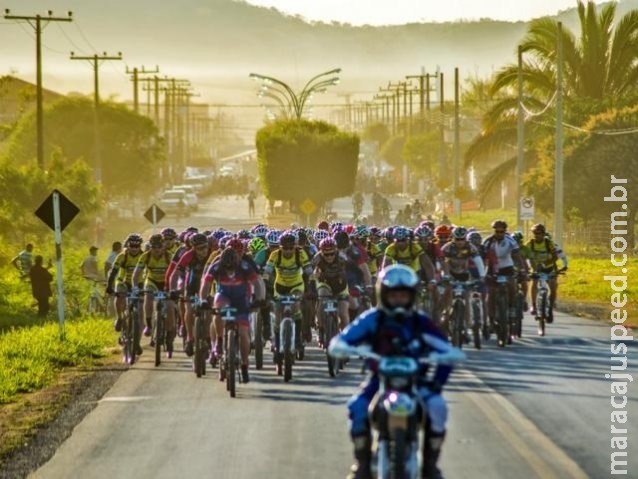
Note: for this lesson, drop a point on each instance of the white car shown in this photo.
(174, 202)
(191, 195)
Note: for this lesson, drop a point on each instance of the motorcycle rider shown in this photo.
(396, 327)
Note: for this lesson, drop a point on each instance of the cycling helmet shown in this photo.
(321, 234)
(336, 226)
(518, 236)
(349, 229)
(168, 234)
(328, 244)
(459, 233)
(499, 224)
(260, 230)
(323, 225)
(387, 233)
(192, 229)
(228, 259)
(362, 232)
(272, 237)
(256, 245)
(244, 234)
(423, 232)
(396, 277)
(475, 238)
(375, 231)
(219, 234)
(198, 239)
(156, 241)
(237, 245)
(223, 241)
(539, 228)
(287, 239)
(442, 231)
(401, 233)
(133, 239)
(302, 236)
(428, 223)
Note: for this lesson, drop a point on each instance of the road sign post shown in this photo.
(154, 214)
(526, 206)
(57, 211)
(307, 207)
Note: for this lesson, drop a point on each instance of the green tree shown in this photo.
(301, 159)
(599, 71)
(26, 186)
(378, 132)
(421, 152)
(130, 144)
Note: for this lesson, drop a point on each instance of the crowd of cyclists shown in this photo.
(367, 270)
(246, 268)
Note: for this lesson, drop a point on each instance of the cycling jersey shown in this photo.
(125, 264)
(155, 268)
(498, 254)
(288, 271)
(408, 256)
(542, 254)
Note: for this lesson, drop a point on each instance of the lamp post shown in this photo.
(293, 103)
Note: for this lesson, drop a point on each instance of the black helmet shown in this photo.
(156, 240)
(198, 239)
(133, 239)
(396, 277)
(499, 224)
(539, 228)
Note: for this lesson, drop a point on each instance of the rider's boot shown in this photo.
(431, 453)
(362, 457)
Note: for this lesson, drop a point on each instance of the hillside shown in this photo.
(217, 43)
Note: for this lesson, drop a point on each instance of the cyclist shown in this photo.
(236, 280)
(457, 254)
(542, 259)
(396, 327)
(357, 271)
(288, 264)
(151, 267)
(525, 253)
(331, 280)
(189, 270)
(502, 253)
(120, 277)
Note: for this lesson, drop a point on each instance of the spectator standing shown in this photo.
(89, 266)
(116, 248)
(24, 260)
(41, 285)
(251, 203)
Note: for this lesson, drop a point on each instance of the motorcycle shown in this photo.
(396, 412)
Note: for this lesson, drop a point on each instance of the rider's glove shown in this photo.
(205, 305)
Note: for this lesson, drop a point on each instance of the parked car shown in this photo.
(191, 195)
(174, 202)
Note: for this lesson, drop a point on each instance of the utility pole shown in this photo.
(457, 144)
(36, 23)
(347, 117)
(442, 156)
(520, 141)
(136, 72)
(558, 166)
(95, 60)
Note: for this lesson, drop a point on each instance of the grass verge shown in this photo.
(38, 373)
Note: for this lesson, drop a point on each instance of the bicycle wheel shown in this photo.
(231, 361)
(502, 320)
(330, 331)
(159, 334)
(476, 323)
(541, 312)
(287, 349)
(199, 361)
(458, 312)
(258, 340)
(127, 339)
(518, 324)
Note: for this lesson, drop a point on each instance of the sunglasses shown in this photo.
(201, 248)
(329, 254)
(288, 249)
(499, 231)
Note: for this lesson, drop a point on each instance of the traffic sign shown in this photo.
(527, 208)
(68, 211)
(154, 214)
(307, 206)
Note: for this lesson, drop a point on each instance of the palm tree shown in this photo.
(599, 71)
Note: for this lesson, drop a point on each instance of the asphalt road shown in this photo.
(537, 409)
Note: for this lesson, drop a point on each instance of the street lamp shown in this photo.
(293, 103)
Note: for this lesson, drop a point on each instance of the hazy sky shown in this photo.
(383, 12)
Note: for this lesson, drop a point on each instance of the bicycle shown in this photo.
(200, 337)
(542, 298)
(158, 339)
(502, 321)
(330, 330)
(516, 324)
(131, 332)
(257, 338)
(456, 325)
(229, 370)
(285, 349)
(96, 304)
